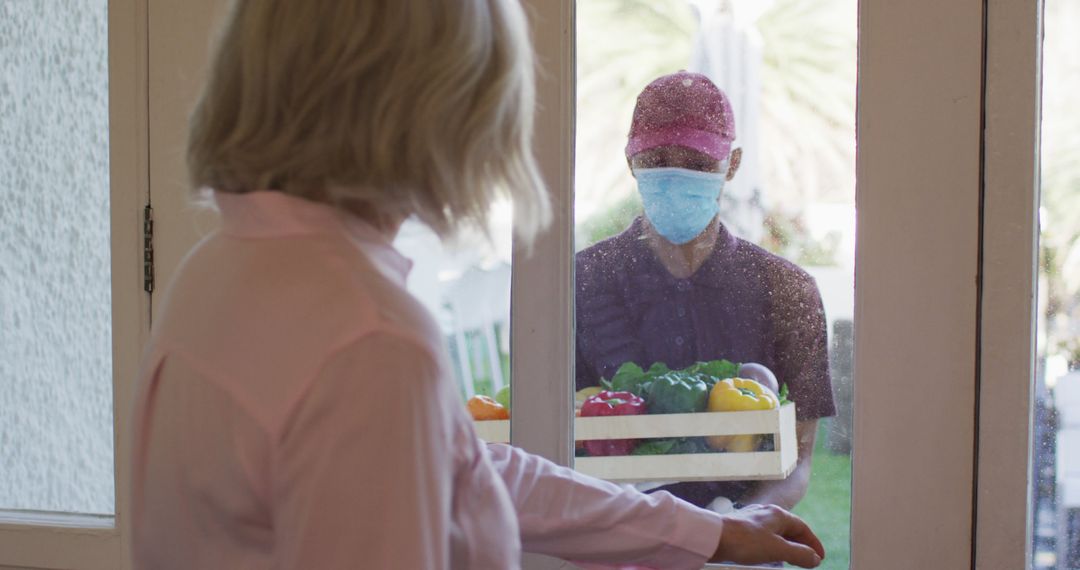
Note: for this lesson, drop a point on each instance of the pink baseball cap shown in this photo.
(684, 109)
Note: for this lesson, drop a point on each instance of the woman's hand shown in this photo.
(767, 533)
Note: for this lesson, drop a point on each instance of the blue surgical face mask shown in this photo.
(679, 203)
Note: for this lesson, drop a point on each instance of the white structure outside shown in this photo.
(727, 49)
(468, 291)
(1067, 402)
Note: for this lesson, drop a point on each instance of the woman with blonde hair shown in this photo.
(295, 405)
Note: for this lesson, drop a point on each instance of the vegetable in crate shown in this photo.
(483, 408)
(715, 370)
(736, 395)
(755, 371)
(671, 446)
(608, 403)
(583, 394)
(503, 396)
(631, 378)
(677, 393)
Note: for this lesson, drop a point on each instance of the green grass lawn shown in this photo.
(827, 506)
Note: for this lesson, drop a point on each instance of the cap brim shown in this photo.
(705, 142)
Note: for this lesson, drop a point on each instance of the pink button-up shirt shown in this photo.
(297, 410)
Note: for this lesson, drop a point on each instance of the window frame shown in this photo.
(918, 166)
(918, 295)
(90, 542)
(1013, 108)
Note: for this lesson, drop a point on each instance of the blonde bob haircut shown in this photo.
(391, 108)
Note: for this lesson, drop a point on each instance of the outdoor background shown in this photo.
(789, 68)
(1055, 494)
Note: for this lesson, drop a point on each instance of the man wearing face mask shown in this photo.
(676, 287)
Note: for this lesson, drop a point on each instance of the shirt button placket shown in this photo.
(683, 286)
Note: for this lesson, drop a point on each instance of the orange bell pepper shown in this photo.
(483, 408)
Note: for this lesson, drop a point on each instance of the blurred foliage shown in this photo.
(613, 221)
(808, 100)
(789, 238)
(622, 46)
(807, 78)
(827, 506)
(1060, 207)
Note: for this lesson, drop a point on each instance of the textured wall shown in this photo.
(56, 436)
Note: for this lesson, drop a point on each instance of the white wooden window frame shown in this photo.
(1013, 102)
(919, 172)
(82, 542)
(926, 196)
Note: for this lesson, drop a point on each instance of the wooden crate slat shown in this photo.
(687, 467)
(493, 431)
(677, 425)
(785, 439)
(683, 467)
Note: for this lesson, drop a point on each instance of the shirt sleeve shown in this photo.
(575, 517)
(361, 471)
(801, 344)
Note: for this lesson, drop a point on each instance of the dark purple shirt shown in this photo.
(743, 304)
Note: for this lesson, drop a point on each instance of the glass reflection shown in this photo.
(1055, 493)
(715, 214)
(677, 287)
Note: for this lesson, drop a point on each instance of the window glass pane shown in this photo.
(1056, 449)
(56, 422)
(660, 280)
(466, 286)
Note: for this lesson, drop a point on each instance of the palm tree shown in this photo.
(808, 99)
(622, 46)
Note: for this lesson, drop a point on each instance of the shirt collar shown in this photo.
(269, 214)
(712, 269)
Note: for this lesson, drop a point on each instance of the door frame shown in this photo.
(86, 542)
(919, 166)
(1010, 235)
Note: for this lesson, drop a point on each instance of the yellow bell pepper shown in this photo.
(737, 395)
(583, 394)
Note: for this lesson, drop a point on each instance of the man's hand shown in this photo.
(767, 533)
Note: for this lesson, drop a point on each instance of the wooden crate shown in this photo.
(777, 464)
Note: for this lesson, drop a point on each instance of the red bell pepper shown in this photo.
(607, 403)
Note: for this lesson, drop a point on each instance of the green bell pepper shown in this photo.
(671, 446)
(677, 393)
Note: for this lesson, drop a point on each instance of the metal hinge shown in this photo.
(148, 249)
